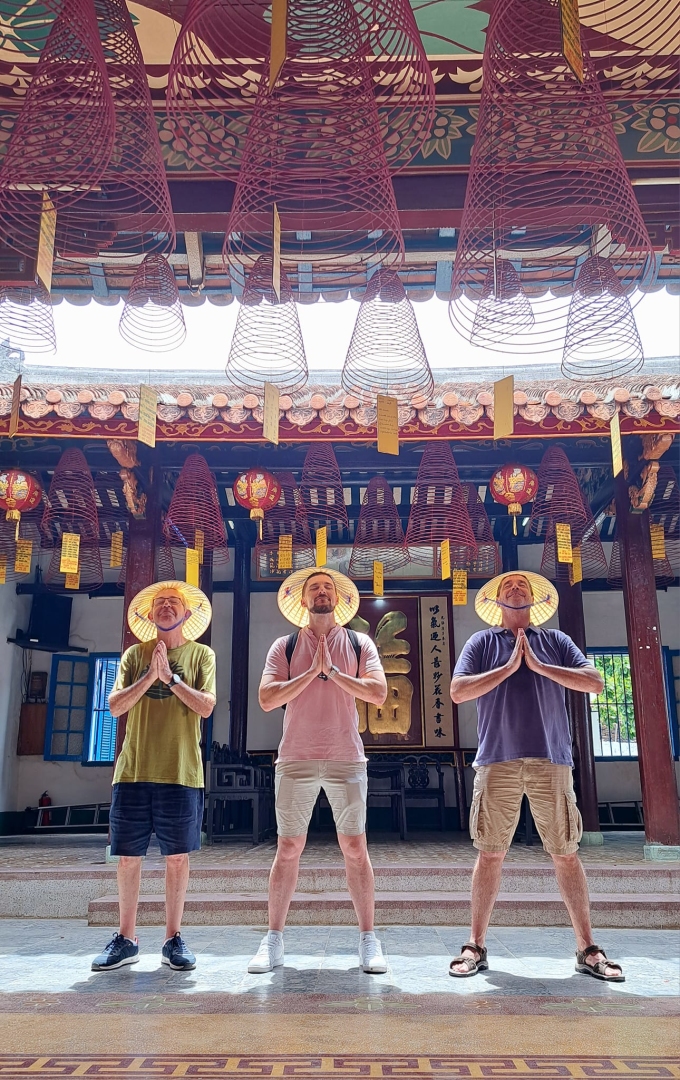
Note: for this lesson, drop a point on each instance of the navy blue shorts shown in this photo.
(172, 811)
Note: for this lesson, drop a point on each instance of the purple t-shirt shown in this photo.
(525, 716)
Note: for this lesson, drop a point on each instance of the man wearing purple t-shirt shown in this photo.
(518, 673)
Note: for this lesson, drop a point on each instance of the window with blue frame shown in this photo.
(612, 712)
(79, 724)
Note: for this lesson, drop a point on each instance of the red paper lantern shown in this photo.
(514, 485)
(258, 491)
(19, 491)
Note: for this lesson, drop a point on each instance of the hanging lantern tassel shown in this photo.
(515, 509)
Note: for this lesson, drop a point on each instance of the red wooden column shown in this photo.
(144, 536)
(657, 773)
(572, 622)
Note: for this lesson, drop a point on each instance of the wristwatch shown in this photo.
(333, 671)
(174, 680)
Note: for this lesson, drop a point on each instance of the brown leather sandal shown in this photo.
(473, 966)
(598, 970)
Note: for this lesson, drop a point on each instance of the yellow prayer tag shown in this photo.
(571, 37)
(279, 34)
(378, 579)
(388, 424)
(146, 425)
(658, 541)
(276, 252)
(48, 230)
(615, 435)
(285, 554)
(22, 560)
(116, 556)
(70, 553)
(3, 569)
(504, 407)
(321, 545)
(270, 413)
(72, 581)
(460, 586)
(446, 559)
(576, 567)
(192, 565)
(16, 402)
(199, 544)
(564, 550)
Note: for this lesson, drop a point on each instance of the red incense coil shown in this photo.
(195, 505)
(71, 505)
(26, 318)
(547, 186)
(28, 528)
(386, 353)
(91, 573)
(152, 317)
(267, 345)
(585, 538)
(321, 490)
(602, 339)
(487, 562)
(63, 137)
(287, 518)
(379, 534)
(439, 509)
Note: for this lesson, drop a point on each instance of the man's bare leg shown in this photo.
(360, 879)
(283, 878)
(176, 881)
(573, 886)
(486, 882)
(129, 878)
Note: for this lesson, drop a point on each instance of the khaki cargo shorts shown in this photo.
(497, 801)
(298, 784)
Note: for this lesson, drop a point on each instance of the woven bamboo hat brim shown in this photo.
(195, 601)
(290, 596)
(543, 607)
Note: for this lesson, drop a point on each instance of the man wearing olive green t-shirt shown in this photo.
(165, 684)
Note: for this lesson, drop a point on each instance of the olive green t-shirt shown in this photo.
(163, 736)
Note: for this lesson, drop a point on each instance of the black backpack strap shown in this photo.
(356, 645)
(291, 642)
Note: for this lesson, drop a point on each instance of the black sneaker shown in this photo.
(176, 954)
(119, 951)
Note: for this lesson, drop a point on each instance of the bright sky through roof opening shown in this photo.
(88, 337)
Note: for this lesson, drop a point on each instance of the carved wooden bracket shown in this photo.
(124, 451)
(134, 499)
(654, 446)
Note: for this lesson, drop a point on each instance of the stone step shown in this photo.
(647, 911)
(67, 891)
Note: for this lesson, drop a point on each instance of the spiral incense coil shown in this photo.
(26, 318)
(379, 534)
(152, 318)
(439, 509)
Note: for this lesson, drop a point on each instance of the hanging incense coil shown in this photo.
(63, 137)
(602, 339)
(71, 507)
(132, 212)
(547, 182)
(27, 528)
(195, 507)
(267, 345)
(322, 493)
(26, 318)
(152, 318)
(386, 353)
(487, 562)
(222, 55)
(439, 510)
(314, 149)
(164, 565)
(287, 518)
(585, 540)
(560, 501)
(379, 535)
(503, 309)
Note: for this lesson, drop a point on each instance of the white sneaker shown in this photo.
(268, 956)
(371, 955)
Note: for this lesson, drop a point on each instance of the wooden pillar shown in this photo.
(458, 756)
(140, 570)
(572, 622)
(240, 642)
(657, 773)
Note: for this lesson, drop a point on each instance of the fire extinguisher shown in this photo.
(45, 800)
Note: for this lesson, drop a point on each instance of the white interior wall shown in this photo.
(13, 615)
(266, 624)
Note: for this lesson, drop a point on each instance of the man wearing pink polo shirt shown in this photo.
(317, 682)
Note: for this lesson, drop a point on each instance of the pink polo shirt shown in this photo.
(322, 723)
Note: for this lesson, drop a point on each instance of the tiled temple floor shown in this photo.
(530, 1015)
(449, 849)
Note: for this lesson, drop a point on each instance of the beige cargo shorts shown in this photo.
(497, 802)
(298, 783)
